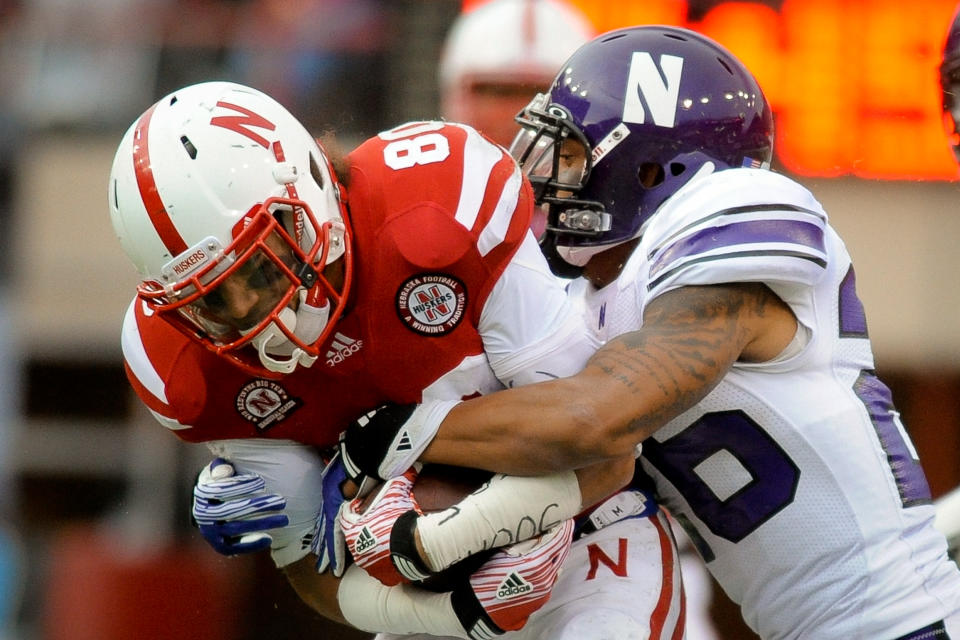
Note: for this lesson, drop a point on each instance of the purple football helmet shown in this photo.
(950, 84)
(632, 116)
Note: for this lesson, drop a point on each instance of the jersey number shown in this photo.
(732, 473)
(735, 476)
(416, 145)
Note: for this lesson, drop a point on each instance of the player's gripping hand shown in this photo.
(387, 441)
(233, 512)
(514, 583)
(380, 535)
(329, 543)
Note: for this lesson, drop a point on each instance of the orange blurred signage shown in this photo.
(853, 83)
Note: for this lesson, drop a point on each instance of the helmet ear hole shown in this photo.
(676, 168)
(650, 175)
(283, 214)
(315, 172)
(188, 146)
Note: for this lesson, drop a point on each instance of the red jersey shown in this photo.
(437, 213)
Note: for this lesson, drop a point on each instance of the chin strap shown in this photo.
(307, 323)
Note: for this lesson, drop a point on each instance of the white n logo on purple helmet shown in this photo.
(658, 86)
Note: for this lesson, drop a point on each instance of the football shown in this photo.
(439, 486)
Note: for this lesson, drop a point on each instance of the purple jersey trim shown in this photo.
(791, 232)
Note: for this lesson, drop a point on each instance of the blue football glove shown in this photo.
(329, 544)
(232, 511)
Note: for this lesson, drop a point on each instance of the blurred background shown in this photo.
(95, 540)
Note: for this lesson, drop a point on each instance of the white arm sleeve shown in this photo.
(371, 606)
(290, 469)
(531, 330)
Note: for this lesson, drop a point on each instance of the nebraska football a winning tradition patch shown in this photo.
(265, 403)
(432, 304)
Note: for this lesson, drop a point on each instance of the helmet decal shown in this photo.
(658, 87)
(186, 264)
(609, 142)
(242, 124)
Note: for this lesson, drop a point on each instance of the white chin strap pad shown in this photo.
(580, 256)
(307, 323)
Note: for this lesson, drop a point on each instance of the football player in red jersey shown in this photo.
(281, 298)
(500, 54)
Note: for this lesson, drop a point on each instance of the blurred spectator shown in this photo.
(196, 36)
(11, 565)
(83, 64)
(320, 58)
(498, 55)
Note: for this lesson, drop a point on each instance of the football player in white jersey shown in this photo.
(734, 347)
(948, 506)
(496, 57)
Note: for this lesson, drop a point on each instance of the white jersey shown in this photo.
(795, 477)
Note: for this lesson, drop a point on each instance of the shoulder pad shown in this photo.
(737, 225)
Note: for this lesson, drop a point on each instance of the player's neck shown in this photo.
(603, 268)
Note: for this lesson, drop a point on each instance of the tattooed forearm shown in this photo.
(689, 339)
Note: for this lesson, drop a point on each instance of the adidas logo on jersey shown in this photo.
(365, 541)
(513, 585)
(342, 348)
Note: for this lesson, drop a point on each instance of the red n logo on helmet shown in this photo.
(242, 124)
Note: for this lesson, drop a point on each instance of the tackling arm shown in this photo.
(631, 387)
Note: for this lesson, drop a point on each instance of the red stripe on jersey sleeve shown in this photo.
(153, 402)
(499, 257)
(504, 184)
(174, 358)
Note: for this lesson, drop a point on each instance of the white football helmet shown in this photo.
(504, 43)
(231, 211)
